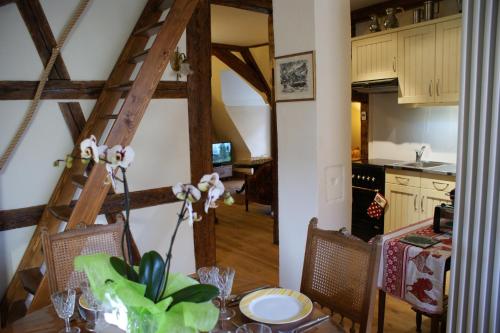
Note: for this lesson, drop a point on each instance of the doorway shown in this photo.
(243, 114)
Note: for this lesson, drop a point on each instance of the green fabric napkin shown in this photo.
(107, 284)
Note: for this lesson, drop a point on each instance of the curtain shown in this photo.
(474, 291)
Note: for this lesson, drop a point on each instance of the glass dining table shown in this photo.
(46, 320)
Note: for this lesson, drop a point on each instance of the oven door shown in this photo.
(363, 226)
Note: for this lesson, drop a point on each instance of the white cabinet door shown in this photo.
(402, 206)
(448, 35)
(374, 58)
(416, 64)
(430, 199)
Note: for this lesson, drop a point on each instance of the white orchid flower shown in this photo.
(192, 216)
(180, 191)
(118, 156)
(89, 150)
(213, 195)
(208, 181)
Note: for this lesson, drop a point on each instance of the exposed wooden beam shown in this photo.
(41, 34)
(200, 117)
(250, 60)
(261, 6)
(229, 47)
(74, 118)
(363, 14)
(6, 2)
(274, 135)
(29, 216)
(239, 67)
(66, 89)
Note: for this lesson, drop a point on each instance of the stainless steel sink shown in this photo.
(422, 164)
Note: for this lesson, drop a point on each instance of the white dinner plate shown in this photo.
(276, 306)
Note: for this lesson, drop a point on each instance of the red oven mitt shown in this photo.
(376, 208)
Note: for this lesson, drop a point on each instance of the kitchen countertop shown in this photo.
(447, 169)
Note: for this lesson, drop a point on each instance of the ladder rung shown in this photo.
(17, 310)
(149, 30)
(165, 4)
(139, 57)
(31, 278)
(121, 87)
(79, 180)
(63, 213)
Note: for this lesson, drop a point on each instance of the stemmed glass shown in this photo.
(64, 303)
(90, 307)
(222, 278)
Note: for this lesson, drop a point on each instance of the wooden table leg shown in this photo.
(381, 311)
(434, 324)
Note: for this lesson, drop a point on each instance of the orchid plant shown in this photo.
(153, 270)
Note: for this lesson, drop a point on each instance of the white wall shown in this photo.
(248, 111)
(396, 130)
(313, 136)
(161, 142)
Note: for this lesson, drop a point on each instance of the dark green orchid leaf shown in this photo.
(122, 268)
(151, 273)
(198, 293)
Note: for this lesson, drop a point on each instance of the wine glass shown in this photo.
(254, 328)
(222, 278)
(89, 306)
(64, 303)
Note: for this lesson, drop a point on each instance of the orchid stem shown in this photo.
(169, 253)
(126, 228)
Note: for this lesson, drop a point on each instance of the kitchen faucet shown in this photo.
(418, 154)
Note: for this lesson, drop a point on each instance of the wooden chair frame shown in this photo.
(70, 236)
(372, 250)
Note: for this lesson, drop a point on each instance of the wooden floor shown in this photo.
(244, 241)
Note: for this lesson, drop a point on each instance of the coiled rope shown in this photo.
(28, 117)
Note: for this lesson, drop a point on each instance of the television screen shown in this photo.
(221, 153)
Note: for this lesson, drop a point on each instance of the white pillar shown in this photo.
(313, 136)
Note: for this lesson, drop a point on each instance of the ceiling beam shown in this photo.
(261, 6)
(29, 216)
(66, 89)
(240, 67)
(363, 14)
(6, 2)
(250, 60)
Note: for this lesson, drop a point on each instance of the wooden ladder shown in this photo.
(28, 289)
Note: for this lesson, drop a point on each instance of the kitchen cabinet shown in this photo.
(416, 70)
(411, 196)
(429, 63)
(448, 48)
(374, 58)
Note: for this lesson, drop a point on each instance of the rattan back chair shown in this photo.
(61, 249)
(340, 273)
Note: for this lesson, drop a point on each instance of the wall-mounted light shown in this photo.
(180, 64)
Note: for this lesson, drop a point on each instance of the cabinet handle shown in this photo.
(443, 186)
(394, 64)
(422, 204)
(415, 202)
(430, 88)
(437, 87)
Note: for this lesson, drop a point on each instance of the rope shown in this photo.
(28, 117)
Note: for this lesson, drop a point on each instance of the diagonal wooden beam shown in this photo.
(66, 89)
(73, 116)
(239, 67)
(250, 60)
(261, 6)
(44, 40)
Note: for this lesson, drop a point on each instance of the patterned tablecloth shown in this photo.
(411, 273)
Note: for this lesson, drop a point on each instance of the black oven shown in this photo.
(367, 181)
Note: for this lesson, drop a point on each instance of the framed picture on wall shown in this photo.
(295, 77)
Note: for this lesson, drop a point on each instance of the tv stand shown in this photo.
(224, 171)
